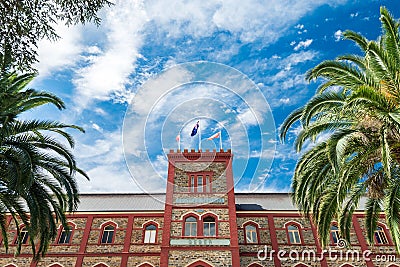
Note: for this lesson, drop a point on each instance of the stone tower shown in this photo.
(200, 217)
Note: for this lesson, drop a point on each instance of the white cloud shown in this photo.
(56, 55)
(109, 71)
(353, 15)
(249, 21)
(285, 100)
(300, 57)
(97, 127)
(338, 35)
(106, 71)
(303, 44)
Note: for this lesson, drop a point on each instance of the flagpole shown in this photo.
(199, 136)
(220, 140)
(179, 141)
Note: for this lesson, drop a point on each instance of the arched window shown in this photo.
(107, 235)
(293, 234)
(380, 236)
(24, 236)
(101, 265)
(190, 226)
(150, 234)
(56, 265)
(65, 235)
(209, 226)
(11, 265)
(199, 263)
(251, 234)
(334, 234)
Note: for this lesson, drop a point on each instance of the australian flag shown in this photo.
(195, 128)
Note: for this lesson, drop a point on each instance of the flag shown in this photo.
(216, 135)
(195, 128)
(178, 138)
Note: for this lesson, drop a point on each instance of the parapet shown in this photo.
(193, 154)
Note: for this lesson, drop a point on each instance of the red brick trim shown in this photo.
(274, 239)
(167, 214)
(360, 237)
(232, 212)
(85, 239)
(319, 249)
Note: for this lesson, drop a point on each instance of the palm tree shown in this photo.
(356, 113)
(37, 171)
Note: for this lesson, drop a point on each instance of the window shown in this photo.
(209, 226)
(251, 233)
(380, 236)
(65, 236)
(190, 226)
(200, 183)
(334, 234)
(150, 234)
(108, 234)
(294, 234)
(199, 263)
(24, 236)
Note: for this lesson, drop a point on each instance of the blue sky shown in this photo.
(140, 60)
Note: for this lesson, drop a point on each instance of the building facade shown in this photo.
(200, 222)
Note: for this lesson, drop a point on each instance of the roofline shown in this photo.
(161, 194)
(122, 194)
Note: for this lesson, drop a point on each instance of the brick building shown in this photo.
(200, 222)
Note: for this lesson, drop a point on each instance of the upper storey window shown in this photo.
(294, 234)
(209, 226)
(200, 183)
(251, 233)
(108, 234)
(334, 234)
(191, 226)
(150, 234)
(380, 236)
(24, 237)
(65, 235)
